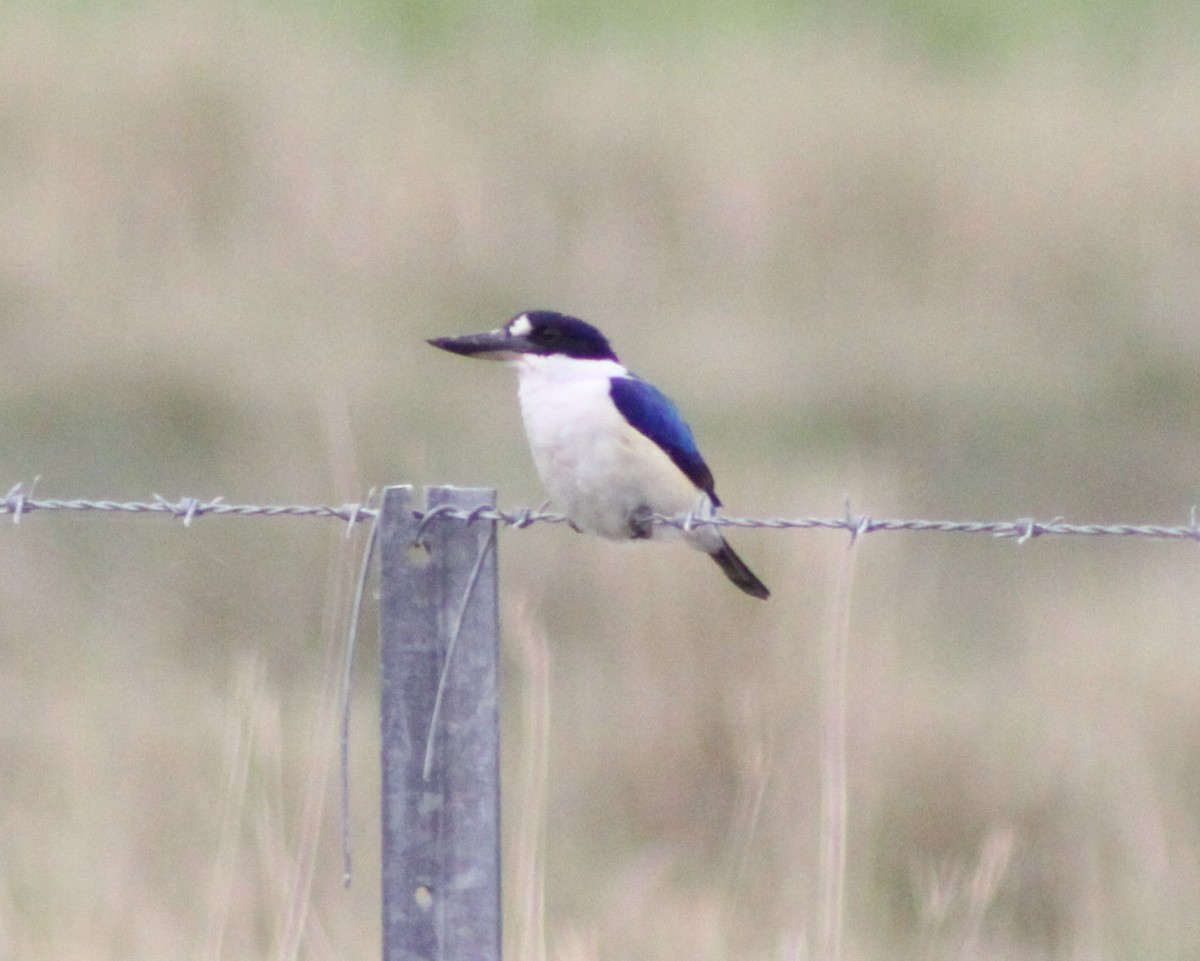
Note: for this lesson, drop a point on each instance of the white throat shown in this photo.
(558, 369)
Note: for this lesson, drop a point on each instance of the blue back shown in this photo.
(651, 412)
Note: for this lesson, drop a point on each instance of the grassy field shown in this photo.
(941, 263)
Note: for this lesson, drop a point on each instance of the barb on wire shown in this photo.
(20, 503)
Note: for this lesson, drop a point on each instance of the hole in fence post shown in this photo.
(418, 554)
(440, 827)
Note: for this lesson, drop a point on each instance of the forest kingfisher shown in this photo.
(610, 448)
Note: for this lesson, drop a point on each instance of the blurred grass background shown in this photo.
(941, 259)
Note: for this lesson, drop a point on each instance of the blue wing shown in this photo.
(651, 412)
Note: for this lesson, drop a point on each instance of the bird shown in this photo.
(609, 447)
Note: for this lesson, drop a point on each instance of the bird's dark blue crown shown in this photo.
(553, 333)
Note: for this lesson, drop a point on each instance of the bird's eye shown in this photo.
(549, 335)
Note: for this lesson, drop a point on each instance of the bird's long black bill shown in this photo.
(737, 571)
(489, 346)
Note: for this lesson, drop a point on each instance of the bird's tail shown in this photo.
(737, 571)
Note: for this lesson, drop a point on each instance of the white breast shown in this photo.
(598, 469)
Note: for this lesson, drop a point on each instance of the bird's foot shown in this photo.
(641, 522)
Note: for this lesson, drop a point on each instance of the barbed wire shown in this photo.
(18, 503)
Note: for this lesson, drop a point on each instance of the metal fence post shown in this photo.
(439, 639)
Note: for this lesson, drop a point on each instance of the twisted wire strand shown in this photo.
(18, 503)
